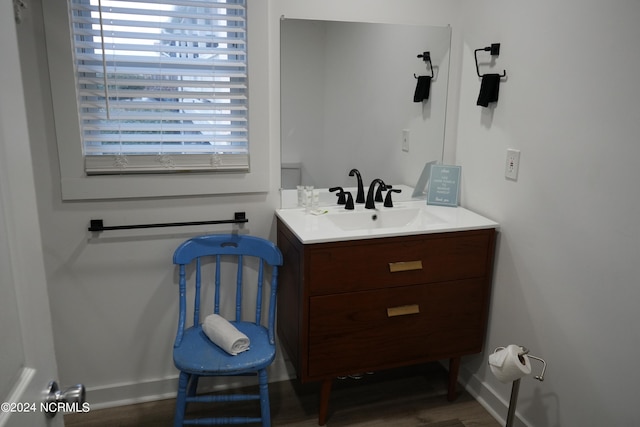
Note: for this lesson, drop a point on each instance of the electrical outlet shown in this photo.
(512, 165)
(405, 140)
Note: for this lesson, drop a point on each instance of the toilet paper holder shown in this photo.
(515, 388)
(522, 352)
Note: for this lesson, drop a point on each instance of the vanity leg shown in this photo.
(454, 368)
(325, 393)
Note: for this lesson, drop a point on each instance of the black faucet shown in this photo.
(370, 195)
(360, 194)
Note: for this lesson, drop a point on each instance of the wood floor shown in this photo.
(399, 398)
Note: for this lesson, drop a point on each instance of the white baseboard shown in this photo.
(488, 398)
(130, 393)
(149, 390)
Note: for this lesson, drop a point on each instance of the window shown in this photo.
(161, 86)
(182, 117)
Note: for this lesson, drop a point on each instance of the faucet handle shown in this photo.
(379, 191)
(341, 195)
(349, 203)
(387, 200)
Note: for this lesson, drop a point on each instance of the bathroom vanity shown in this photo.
(407, 291)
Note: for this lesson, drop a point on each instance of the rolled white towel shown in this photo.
(225, 335)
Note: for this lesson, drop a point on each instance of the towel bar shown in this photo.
(98, 224)
(494, 50)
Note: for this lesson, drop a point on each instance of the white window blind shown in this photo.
(161, 84)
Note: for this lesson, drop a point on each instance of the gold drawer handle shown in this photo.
(405, 266)
(403, 310)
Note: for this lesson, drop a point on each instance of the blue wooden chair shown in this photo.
(194, 354)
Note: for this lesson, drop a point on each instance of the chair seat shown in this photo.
(198, 355)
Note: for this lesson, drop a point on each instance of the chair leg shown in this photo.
(193, 385)
(181, 399)
(265, 408)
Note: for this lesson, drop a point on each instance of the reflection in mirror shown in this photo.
(347, 101)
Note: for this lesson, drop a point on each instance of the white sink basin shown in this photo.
(369, 218)
(405, 218)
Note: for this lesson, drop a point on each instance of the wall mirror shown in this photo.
(347, 101)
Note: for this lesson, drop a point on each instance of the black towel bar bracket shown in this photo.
(494, 50)
(98, 224)
(426, 57)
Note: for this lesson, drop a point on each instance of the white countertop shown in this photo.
(410, 217)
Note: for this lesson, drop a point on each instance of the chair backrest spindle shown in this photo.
(259, 296)
(216, 299)
(239, 287)
(228, 248)
(272, 305)
(196, 305)
(182, 314)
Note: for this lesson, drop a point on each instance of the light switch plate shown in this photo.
(405, 140)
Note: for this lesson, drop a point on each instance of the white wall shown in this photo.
(566, 274)
(567, 269)
(113, 297)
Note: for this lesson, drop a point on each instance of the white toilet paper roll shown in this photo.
(507, 365)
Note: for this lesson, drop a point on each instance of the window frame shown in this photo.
(77, 185)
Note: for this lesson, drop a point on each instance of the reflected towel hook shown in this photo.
(494, 50)
(426, 57)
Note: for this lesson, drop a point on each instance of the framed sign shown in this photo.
(444, 185)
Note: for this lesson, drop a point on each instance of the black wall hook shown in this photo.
(426, 57)
(494, 50)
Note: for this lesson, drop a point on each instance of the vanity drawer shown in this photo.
(359, 331)
(381, 263)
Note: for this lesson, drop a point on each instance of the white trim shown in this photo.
(110, 164)
(487, 397)
(18, 391)
(129, 393)
(76, 185)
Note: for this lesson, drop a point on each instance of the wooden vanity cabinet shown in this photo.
(366, 305)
